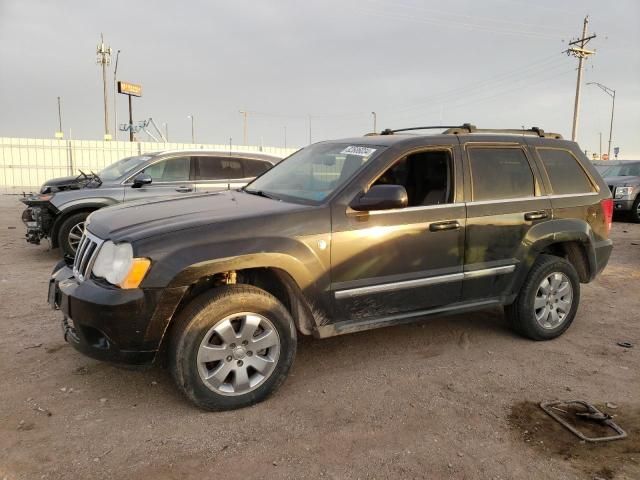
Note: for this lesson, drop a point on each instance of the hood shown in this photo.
(623, 181)
(61, 184)
(136, 220)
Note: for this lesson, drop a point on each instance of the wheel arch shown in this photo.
(71, 210)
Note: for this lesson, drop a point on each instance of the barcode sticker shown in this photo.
(358, 151)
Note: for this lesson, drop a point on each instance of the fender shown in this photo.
(76, 206)
(547, 233)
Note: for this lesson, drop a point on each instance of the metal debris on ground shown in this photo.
(590, 413)
(625, 344)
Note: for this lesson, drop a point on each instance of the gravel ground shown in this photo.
(454, 397)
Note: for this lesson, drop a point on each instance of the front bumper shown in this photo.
(108, 323)
(32, 217)
(622, 205)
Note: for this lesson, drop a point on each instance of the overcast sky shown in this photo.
(333, 61)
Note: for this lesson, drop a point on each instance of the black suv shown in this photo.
(340, 237)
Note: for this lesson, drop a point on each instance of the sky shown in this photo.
(316, 70)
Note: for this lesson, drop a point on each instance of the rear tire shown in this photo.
(634, 214)
(215, 353)
(70, 233)
(547, 303)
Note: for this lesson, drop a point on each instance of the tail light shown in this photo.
(607, 210)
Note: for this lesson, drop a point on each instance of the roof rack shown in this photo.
(469, 128)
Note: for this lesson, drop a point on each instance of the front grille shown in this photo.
(85, 256)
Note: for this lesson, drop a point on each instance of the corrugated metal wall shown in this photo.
(26, 163)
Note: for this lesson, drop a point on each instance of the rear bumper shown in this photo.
(108, 323)
(602, 254)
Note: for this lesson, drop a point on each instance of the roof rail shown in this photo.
(469, 128)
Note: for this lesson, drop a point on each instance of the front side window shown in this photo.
(170, 170)
(565, 174)
(315, 172)
(500, 173)
(425, 175)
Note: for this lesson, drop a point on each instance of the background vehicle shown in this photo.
(623, 179)
(61, 208)
(342, 236)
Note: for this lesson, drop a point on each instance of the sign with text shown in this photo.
(130, 89)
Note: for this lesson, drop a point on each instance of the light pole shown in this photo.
(59, 118)
(165, 125)
(193, 129)
(612, 93)
(375, 121)
(104, 59)
(244, 126)
(285, 136)
(115, 89)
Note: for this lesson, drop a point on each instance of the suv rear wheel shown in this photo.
(232, 347)
(548, 300)
(635, 210)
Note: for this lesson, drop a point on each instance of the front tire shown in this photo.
(70, 233)
(635, 210)
(548, 300)
(231, 347)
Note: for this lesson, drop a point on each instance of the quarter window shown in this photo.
(170, 170)
(500, 173)
(565, 174)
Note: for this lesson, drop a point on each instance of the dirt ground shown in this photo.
(453, 397)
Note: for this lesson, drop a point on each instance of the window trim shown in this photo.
(129, 180)
(196, 169)
(503, 146)
(590, 179)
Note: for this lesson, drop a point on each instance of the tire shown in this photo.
(203, 331)
(634, 214)
(70, 232)
(531, 314)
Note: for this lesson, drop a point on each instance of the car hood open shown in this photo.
(136, 220)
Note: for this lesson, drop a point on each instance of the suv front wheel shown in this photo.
(548, 300)
(232, 347)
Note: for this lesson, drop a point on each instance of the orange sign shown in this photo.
(605, 156)
(130, 89)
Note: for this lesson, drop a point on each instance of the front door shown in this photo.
(395, 262)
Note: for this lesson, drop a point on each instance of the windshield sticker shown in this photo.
(358, 151)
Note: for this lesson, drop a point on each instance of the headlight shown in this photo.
(115, 263)
(623, 192)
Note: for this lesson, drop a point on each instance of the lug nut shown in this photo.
(233, 345)
(249, 353)
(239, 363)
(229, 358)
(245, 343)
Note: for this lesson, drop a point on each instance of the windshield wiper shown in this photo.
(96, 178)
(260, 193)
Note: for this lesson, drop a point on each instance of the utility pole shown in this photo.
(244, 126)
(612, 93)
(285, 136)
(59, 118)
(375, 121)
(600, 157)
(104, 60)
(193, 129)
(115, 89)
(309, 117)
(576, 49)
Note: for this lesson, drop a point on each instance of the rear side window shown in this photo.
(253, 168)
(565, 174)
(218, 168)
(500, 173)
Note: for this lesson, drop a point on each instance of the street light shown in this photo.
(244, 126)
(193, 129)
(375, 121)
(612, 93)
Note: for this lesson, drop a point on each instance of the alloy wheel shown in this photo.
(75, 234)
(238, 354)
(553, 301)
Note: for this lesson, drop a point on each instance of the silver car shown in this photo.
(59, 210)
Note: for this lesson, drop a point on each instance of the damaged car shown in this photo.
(59, 211)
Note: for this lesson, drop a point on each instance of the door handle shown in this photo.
(184, 189)
(535, 215)
(440, 226)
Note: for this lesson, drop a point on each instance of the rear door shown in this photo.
(504, 200)
(218, 172)
(170, 176)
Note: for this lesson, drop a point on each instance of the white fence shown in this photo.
(26, 163)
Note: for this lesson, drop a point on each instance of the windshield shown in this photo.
(312, 174)
(631, 170)
(122, 167)
(602, 168)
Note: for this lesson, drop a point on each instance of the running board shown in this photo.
(352, 326)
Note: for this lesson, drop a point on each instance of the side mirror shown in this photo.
(141, 180)
(381, 197)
